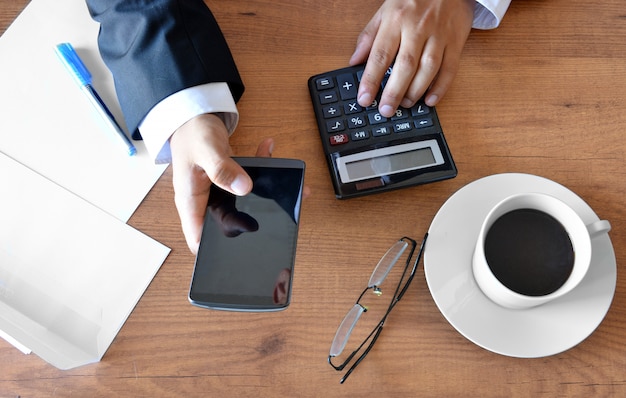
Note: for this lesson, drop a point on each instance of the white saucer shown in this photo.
(537, 332)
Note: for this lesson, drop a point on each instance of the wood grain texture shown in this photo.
(543, 94)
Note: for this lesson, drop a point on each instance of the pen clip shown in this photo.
(73, 63)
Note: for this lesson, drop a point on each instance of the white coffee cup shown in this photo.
(580, 236)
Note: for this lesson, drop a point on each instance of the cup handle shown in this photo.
(598, 227)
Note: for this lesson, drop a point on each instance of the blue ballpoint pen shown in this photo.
(81, 75)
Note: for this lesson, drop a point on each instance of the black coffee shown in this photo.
(529, 252)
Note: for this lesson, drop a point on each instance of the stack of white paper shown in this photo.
(71, 270)
(70, 274)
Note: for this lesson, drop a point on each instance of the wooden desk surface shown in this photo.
(543, 94)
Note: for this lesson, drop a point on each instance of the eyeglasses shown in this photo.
(384, 276)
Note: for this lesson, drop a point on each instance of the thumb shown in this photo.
(228, 175)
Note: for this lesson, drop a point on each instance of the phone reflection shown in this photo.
(230, 221)
(267, 184)
(281, 288)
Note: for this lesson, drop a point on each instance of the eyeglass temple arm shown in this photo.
(412, 274)
(362, 356)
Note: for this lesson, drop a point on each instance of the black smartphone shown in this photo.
(247, 250)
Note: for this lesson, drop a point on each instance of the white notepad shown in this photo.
(49, 125)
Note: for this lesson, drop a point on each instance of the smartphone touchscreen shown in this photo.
(246, 256)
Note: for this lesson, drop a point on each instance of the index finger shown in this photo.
(381, 57)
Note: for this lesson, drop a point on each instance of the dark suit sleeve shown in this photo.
(158, 47)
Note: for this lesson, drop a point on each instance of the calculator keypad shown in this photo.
(346, 121)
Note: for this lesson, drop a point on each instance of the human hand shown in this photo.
(201, 155)
(425, 38)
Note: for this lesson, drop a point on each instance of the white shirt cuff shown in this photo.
(174, 111)
(489, 13)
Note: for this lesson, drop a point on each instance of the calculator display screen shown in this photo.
(383, 165)
(389, 160)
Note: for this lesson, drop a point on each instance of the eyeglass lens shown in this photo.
(387, 262)
(345, 328)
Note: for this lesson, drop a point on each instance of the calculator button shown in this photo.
(331, 111)
(359, 74)
(324, 83)
(402, 127)
(421, 123)
(419, 110)
(360, 135)
(401, 113)
(352, 107)
(376, 118)
(386, 77)
(328, 97)
(380, 131)
(339, 139)
(335, 125)
(373, 105)
(347, 86)
(355, 122)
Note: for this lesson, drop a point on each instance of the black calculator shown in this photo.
(368, 153)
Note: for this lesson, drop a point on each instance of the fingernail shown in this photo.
(240, 185)
(406, 103)
(365, 99)
(386, 110)
(352, 57)
(354, 54)
(432, 100)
